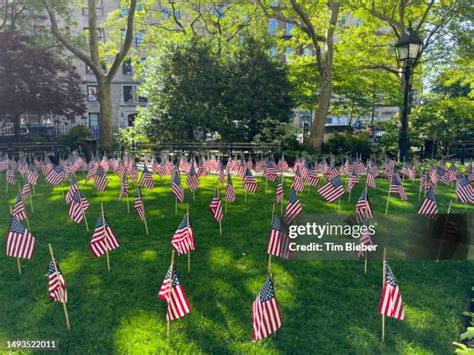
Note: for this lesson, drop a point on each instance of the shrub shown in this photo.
(347, 143)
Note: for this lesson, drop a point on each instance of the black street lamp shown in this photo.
(408, 49)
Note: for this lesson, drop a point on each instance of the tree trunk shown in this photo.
(319, 116)
(105, 119)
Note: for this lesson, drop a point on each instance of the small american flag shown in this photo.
(271, 171)
(124, 187)
(464, 190)
(139, 207)
(453, 173)
(353, 181)
(221, 173)
(11, 176)
(278, 244)
(229, 189)
(442, 175)
(146, 180)
(331, 173)
(55, 175)
(313, 178)
(332, 190)
(192, 179)
(266, 317)
(100, 180)
(176, 187)
(19, 210)
(26, 189)
(396, 186)
(391, 304)
(76, 209)
(20, 242)
(407, 171)
(32, 176)
(282, 164)
(293, 209)
(216, 207)
(249, 182)
(103, 239)
(388, 168)
(172, 293)
(429, 208)
(363, 208)
(364, 240)
(370, 180)
(91, 170)
(279, 192)
(73, 188)
(183, 238)
(298, 182)
(57, 285)
(241, 168)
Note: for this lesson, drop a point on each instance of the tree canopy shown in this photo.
(33, 80)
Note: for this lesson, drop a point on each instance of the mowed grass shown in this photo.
(327, 306)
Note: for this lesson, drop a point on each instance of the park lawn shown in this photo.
(327, 306)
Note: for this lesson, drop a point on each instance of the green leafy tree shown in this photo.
(257, 93)
(95, 54)
(183, 86)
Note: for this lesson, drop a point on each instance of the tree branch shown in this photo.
(67, 43)
(126, 43)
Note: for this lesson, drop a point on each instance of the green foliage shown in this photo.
(192, 93)
(76, 136)
(466, 348)
(348, 143)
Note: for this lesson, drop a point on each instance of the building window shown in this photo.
(127, 67)
(99, 9)
(128, 93)
(139, 38)
(289, 26)
(92, 93)
(94, 123)
(272, 26)
(131, 119)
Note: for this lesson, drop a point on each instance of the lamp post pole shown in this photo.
(403, 138)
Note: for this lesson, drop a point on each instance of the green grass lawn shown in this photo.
(327, 306)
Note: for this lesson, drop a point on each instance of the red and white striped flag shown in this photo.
(279, 192)
(20, 242)
(124, 187)
(138, 205)
(249, 182)
(172, 292)
(293, 209)
(429, 208)
(391, 304)
(57, 285)
(100, 179)
(183, 238)
(192, 179)
(266, 317)
(78, 207)
(229, 189)
(176, 187)
(103, 239)
(332, 190)
(146, 180)
(216, 207)
(73, 188)
(19, 210)
(278, 244)
(298, 181)
(363, 208)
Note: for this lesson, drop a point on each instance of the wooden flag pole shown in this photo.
(106, 237)
(269, 264)
(17, 258)
(220, 227)
(144, 214)
(365, 222)
(245, 194)
(339, 206)
(273, 213)
(194, 195)
(383, 284)
(175, 205)
(441, 242)
(189, 252)
(266, 184)
(82, 206)
(388, 200)
(61, 294)
(168, 321)
(225, 206)
(281, 202)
